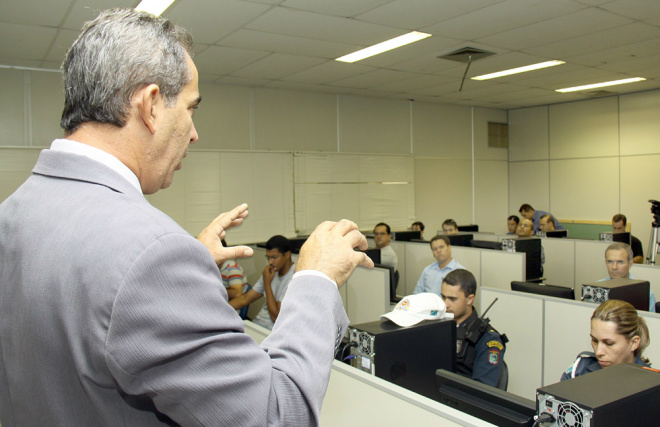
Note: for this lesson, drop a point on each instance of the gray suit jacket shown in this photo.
(112, 315)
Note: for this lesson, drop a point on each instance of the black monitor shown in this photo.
(394, 280)
(374, 254)
(296, 244)
(471, 227)
(487, 244)
(616, 237)
(406, 236)
(460, 239)
(556, 233)
(543, 289)
(483, 401)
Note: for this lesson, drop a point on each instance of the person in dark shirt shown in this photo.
(619, 222)
(618, 335)
(479, 355)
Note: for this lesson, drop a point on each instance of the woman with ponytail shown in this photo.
(618, 335)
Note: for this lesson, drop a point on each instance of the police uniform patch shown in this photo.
(493, 357)
(495, 344)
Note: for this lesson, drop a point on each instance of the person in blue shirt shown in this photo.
(431, 278)
(479, 348)
(619, 260)
(527, 211)
(618, 335)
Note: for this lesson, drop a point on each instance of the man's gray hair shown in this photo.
(621, 246)
(117, 54)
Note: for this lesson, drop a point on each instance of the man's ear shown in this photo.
(470, 299)
(148, 102)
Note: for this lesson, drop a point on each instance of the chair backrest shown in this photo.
(243, 311)
(503, 383)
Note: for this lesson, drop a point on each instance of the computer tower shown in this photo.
(406, 356)
(636, 292)
(532, 247)
(617, 396)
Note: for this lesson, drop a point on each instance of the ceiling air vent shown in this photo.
(462, 55)
(597, 93)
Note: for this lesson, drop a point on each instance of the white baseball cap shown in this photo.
(414, 308)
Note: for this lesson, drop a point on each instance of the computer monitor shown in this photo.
(406, 236)
(460, 239)
(556, 233)
(543, 289)
(616, 237)
(296, 244)
(394, 281)
(374, 254)
(483, 401)
(471, 227)
(487, 244)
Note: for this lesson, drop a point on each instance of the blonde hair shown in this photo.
(628, 322)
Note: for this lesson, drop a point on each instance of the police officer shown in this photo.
(618, 335)
(479, 348)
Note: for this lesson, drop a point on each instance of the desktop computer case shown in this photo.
(636, 292)
(407, 356)
(617, 396)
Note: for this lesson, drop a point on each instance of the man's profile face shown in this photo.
(381, 237)
(618, 227)
(512, 225)
(175, 132)
(441, 251)
(618, 266)
(456, 301)
(449, 229)
(546, 225)
(525, 228)
(527, 214)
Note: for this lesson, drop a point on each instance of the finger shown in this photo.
(357, 240)
(344, 226)
(237, 252)
(226, 219)
(364, 261)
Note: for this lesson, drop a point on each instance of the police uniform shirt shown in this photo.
(587, 362)
(481, 361)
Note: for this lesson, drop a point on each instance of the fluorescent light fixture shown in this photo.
(384, 46)
(519, 70)
(597, 85)
(157, 7)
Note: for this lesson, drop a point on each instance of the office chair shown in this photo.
(503, 383)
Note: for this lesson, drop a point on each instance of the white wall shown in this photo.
(453, 170)
(588, 160)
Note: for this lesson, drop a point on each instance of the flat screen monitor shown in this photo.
(487, 244)
(297, 243)
(616, 237)
(374, 254)
(488, 403)
(394, 281)
(556, 233)
(460, 239)
(543, 289)
(406, 236)
(471, 227)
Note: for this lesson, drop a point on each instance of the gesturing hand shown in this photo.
(329, 249)
(212, 235)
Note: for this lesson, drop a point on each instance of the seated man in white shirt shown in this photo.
(433, 275)
(273, 283)
(619, 259)
(382, 238)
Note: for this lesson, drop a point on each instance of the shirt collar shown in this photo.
(74, 147)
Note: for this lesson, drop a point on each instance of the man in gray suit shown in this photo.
(110, 313)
